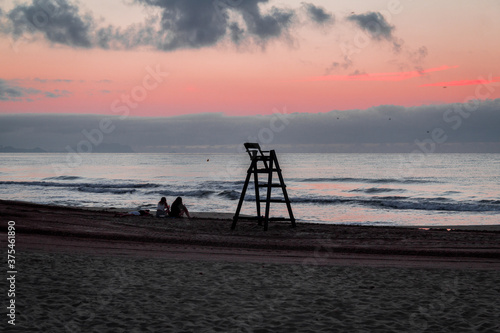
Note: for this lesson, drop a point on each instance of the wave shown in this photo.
(36, 183)
(230, 194)
(231, 191)
(98, 189)
(181, 193)
(366, 180)
(405, 203)
(118, 188)
(451, 192)
(385, 202)
(63, 178)
(373, 190)
(493, 202)
(222, 185)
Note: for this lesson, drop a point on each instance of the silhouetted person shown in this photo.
(178, 209)
(162, 209)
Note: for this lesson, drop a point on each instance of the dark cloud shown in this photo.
(378, 28)
(178, 24)
(10, 91)
(375, 28)
(335, 66)
(196, 24)
(264, 26)
(440, 128)
(318, 14)
(237, 34)
(57, 93)
(373, 23)
(59, 21)
(188, 23)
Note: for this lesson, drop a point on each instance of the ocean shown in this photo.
(361, 189)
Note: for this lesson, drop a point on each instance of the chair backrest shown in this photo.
(253, 148)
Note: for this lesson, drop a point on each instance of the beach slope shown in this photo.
(86, 270)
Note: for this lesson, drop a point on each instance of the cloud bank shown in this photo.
(467, 127)
(178, 24)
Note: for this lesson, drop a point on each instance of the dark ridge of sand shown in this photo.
(69, 229)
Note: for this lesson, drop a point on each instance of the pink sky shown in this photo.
(441, 60)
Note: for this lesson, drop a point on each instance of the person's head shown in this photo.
(178, 201)
(163, 200)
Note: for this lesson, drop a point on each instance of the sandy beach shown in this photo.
(82, 270)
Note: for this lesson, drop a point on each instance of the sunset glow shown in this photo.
(397, 76)
(465, 82)
(309, 63)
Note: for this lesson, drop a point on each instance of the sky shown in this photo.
(386, 74)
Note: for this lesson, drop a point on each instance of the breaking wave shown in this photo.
(367, 180)
(400, 203)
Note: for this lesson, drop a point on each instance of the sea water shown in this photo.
(364, 189)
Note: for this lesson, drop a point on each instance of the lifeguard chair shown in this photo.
(264, 162)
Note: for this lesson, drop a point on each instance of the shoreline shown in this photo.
(229, 215)
(208, 237)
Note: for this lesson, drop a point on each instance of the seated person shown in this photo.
(178, 209)
(162, 209)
